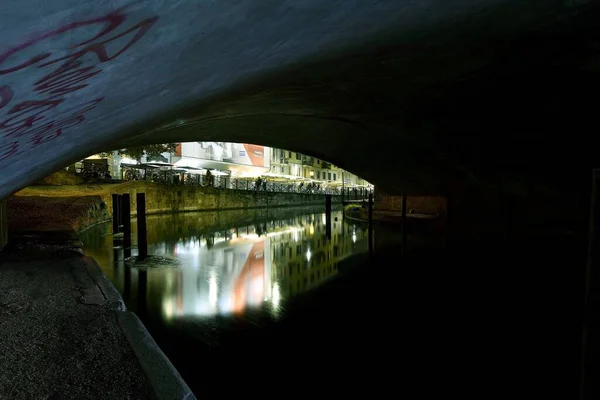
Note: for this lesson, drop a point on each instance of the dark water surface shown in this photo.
(224, 293)
(262, 303)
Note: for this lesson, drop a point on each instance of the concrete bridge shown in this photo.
(489, 102)
(422, 96)
(478, 99)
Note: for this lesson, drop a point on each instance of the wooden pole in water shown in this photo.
(328, 215)
(141, 226)
(126, 212)
(371, 224)
(115, 214)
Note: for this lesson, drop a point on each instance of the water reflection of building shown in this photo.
(229, 271)
(303, 259)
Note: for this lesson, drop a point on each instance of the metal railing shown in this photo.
(227, 182)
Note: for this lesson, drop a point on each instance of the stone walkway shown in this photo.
(65, 334)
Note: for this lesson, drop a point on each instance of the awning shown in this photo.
(159, 164)
(282, 176)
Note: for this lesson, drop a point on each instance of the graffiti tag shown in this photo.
(43, 117)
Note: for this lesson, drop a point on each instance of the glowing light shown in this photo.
(284, 232)
(126, 160)
(324, 219)
(311, 230)
(168, 307)
(276, 295)
(212, 289)
(354, 238)
(193, 247)
(251, 236)
(308, 255)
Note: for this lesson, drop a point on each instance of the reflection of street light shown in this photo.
(212, 289)
(168, 307)
(276, 295)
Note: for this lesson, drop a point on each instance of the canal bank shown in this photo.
(57, 300)
(65, 332)
(165, 198)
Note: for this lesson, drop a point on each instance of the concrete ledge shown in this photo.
(162, 375)
(111, 294)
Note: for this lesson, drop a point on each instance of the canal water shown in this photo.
(262, 303)
(239, 296)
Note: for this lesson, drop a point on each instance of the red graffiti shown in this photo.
(72, 117)
(28, 112)
(29, 118)
(8, 150)
(6, 95)
(100, 50)
(112, 21)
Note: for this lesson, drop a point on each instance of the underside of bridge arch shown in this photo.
(478, 100)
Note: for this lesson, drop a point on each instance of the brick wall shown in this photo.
(419, 204)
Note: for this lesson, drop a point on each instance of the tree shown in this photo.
(153, 152)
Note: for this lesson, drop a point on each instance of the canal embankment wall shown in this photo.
(77, 207)
(162, 198)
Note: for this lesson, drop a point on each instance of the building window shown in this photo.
(297, 156)
(282, 170)
(318, 174)
(334, 177)
(289, 154)
(329, 174)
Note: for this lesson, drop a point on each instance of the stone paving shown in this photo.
(59, 335)
(65, 332)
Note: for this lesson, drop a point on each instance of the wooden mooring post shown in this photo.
(141, 226)
(126, 213)
(371, 250)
